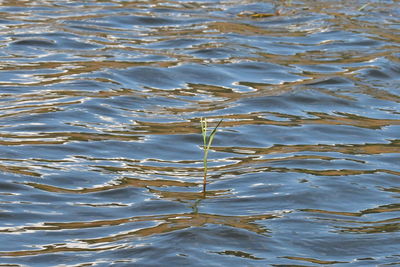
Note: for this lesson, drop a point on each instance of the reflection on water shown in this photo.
(100, 143)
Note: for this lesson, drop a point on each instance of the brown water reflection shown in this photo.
(164, 224)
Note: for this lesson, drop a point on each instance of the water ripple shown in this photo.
(100, 144)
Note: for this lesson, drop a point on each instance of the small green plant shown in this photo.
(364, 6)
(207, 140)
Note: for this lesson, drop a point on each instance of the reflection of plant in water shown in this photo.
(207, 140)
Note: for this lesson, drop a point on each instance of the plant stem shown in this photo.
(207, 141)
(363, 7)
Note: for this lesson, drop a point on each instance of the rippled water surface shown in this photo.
(100, 139)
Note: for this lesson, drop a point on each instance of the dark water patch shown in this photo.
(10, 187)
(142, 20)
(34, 42)
(332, 81)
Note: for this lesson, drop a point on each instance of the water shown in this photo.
(100, 144)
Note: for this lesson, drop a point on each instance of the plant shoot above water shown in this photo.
(207, 141)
